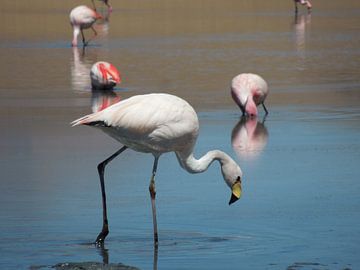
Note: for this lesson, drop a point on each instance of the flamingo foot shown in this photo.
(102, 235)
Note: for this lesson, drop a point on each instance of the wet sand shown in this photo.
(300, 204)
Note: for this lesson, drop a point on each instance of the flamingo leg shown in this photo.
(95, 34)
(152, 196)
(83, 38)
(296, 7)
(93, 4)
(266, 111)
(101, 169)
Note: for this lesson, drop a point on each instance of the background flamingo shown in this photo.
(82, 17)
(158, 123)
(248, 91)
(104, 76)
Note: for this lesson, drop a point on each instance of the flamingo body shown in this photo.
(104, 75)
(82, 17)
(248, 91)
(159, 123)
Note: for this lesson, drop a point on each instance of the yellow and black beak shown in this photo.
(236, 191)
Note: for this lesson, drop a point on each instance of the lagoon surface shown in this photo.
(300, 203)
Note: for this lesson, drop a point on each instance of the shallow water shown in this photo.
(300, 204)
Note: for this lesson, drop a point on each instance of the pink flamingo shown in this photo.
(104, 76)
(302, 2)
(157, 124)
(248, 91)
(82, 17)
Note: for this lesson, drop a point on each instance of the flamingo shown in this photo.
(82, 17)
(104, 76)
(302, 2)
(248, 91)
(157, 124)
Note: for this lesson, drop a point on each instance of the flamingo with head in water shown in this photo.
(82, 17)
(157, 124)
(104, 76)
(248, 91)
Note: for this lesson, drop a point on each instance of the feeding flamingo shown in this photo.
(156, 124)
(302, 2)
(82, 17)
(104, 76)
(248, 91)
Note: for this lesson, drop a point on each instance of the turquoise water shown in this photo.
(300, 203)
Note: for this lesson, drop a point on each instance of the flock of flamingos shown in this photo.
(159, 123)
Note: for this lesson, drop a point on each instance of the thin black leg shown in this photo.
(83, 38)
(152, 191)
(101, 169)
(266, 111)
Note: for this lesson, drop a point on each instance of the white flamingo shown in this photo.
(156, 124)
(104, 76)
(248, 91)
(82, 17)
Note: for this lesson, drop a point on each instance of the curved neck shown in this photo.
(76, 32)
(193, 165)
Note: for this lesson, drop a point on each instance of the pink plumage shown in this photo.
(248, 91)
(82, 17)
(104, 76)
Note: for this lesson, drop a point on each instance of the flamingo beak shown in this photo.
(236, 192)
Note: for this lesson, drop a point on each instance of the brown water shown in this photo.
(300, 208)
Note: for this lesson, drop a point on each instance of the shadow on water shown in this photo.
(249, 137)
(94, 265)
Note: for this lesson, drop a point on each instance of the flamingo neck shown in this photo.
(250, 107)
(193, 165)
(76, 32)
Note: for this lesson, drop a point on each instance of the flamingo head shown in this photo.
(232, 175)
(246, 103)
(250, 107)
(109, 73)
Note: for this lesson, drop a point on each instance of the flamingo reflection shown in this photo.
(100, 100)
(249, 137)
(300, 24)
(80, 69)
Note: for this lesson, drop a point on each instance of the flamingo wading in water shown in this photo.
(104, 76)
(156, 124)
(82, 17)
(248, 91)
